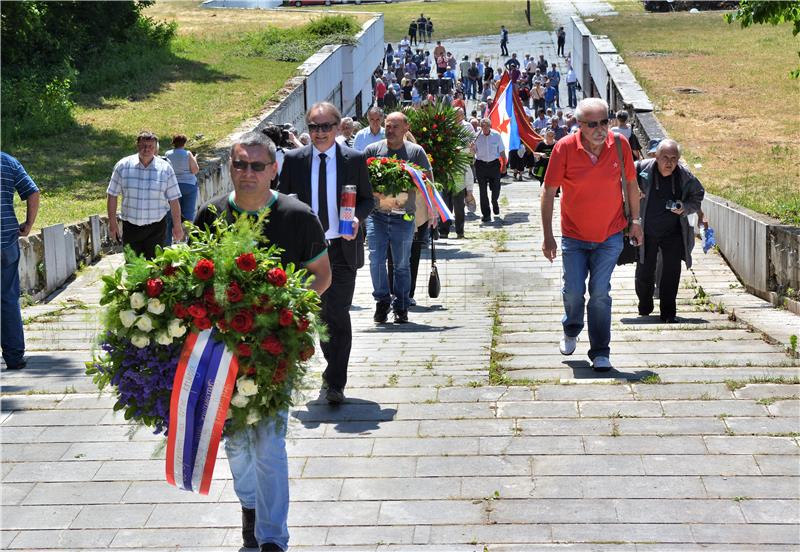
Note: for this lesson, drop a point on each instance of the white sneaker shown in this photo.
(601, 364)
(567, 344)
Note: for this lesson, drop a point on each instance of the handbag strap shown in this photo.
(433, 251)
(622, 176)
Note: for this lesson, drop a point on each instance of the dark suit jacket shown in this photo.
(351, 168)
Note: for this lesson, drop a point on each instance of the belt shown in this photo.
(488, 162)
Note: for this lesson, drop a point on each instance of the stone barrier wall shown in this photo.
(340, 74)
(763, 253)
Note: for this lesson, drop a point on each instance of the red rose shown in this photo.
(234, 293)
(370, 159)
(169, 270)
(222, 325)
(276, 277)
(214, 309)
(197, 310)
(384, 160)
(243, 350)
(202, 323)
(242, 322)
(204, 269)
(246, 262)
(286, 317)
(307, 353)
(434, 126)
(272, 345)
(153, 287)
(280, 372)
(251, 371)
(209, 297)
(180, 311)
(302, 324)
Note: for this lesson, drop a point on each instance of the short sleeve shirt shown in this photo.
(409, 152)
(489, 148)
(591, 198)
(14, 179)
(291, 225)
(146, 191)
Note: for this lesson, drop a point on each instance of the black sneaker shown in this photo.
(18, 366)
(400, 317)
(270, 547)
(249, 528)
(486, 219)
(334, 396)
(381, 312)
(496, 209)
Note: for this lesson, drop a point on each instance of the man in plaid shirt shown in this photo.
(149, 190)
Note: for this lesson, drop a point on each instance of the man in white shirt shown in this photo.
(373, 133)
(490, 153)
(572, 87)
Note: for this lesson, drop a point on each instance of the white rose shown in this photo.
(239, 400)
(253, 416)
(155, 306)
(144, 323)
(140, 340)
(247, 387)
(127, 317)
(163, 338)
(175, 328)
(138, 300)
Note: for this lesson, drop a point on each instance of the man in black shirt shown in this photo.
(670, 193)
(257, 455)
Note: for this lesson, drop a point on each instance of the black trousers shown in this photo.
(143, 239)
(672, 249)
(455, 202)
(503, 48)
(336, 303)
(421, 238)
(488, 173)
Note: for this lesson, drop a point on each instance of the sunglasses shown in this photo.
(595, 124)
(257, 166)
(321, 127)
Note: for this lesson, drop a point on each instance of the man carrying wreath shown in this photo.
(394, 226)
(257, 454)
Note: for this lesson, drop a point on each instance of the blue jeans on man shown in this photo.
(572, 91)
(383, 230)
(13, 338)
(188, 203)
(260, 468)
(597, 261)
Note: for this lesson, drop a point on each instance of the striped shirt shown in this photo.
(146, 191)
(13, 178)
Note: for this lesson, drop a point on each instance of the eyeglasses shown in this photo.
(321, 127)
(257, 166)
(595, 124)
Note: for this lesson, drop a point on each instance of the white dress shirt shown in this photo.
(333, 205)
(489, 148)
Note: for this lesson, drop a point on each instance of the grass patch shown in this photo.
(458, 18)
(651, 379)
(733, 385)
(70, 305)
(740, 128)
(203, 85)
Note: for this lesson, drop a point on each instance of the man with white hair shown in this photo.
(587, 166)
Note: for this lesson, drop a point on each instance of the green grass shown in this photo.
(459, 18)
(744, 129)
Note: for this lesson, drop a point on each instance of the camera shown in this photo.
(674, 205)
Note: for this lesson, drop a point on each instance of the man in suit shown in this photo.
(318, 173)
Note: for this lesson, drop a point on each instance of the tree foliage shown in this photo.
(752, 12)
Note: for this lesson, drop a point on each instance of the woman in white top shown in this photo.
(185, 166)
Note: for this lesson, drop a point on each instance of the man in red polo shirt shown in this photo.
(587, 168)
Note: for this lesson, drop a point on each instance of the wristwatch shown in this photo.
(637, 221)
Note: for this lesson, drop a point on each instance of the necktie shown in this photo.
(323, 192)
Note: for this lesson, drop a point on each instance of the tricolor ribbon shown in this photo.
(201, 394)
(432, 196)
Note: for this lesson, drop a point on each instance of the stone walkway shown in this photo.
(693, 441)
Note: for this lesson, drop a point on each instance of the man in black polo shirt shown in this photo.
(257, 454)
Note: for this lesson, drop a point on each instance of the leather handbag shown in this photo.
(630, 252)
(434, 284)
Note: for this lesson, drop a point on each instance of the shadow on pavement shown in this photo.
(352, 416)
(652, 320)
(582, 369)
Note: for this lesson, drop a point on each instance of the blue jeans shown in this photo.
(188, 202)
(572, 88)
(597, 260)
(383, 230)
(257, 456)
(12, 337)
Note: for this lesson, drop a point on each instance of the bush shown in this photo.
(36, 104)
(332, 25)
(299, 43)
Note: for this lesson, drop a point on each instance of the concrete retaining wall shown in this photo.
(763, 253)
(340, 74)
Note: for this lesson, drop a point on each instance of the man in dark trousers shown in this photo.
(503, 41)
(412, 32)
(318, 173)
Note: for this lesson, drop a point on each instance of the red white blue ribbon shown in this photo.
(201, 394)
(432, 196)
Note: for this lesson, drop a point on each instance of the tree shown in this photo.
(775, 13)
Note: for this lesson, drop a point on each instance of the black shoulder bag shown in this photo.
(630, 252)
(434, 285)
